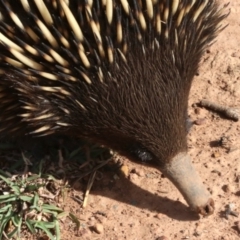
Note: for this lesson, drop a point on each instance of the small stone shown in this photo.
(162, 238)
(159, 216)
(92, 205)
(102, 219)
(98, 228)
(85, 233)
(124, 170)
(197, 110)
(225, 141)
(211, 191)
(200, 121)
(238, 226)
(230, 210)
(216, 155)
(199, 230)
(133, 177)
(184, 232)
(228, 188)
(90, 223)
(139, 172)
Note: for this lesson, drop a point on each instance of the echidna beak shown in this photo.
(184, 176)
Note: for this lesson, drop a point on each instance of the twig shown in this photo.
(227, 111)
(92, 170)
(60, 158)
(89, 186)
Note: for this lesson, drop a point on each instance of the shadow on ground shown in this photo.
(122, 190)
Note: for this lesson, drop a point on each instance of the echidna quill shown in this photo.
(117, 72)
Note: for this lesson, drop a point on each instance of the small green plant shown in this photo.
(22, 207)
(29, 202)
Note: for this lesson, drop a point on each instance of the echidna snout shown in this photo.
(115, 72)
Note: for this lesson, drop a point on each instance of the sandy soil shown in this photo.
(147, 206)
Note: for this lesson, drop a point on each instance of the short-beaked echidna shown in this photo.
(117, 72)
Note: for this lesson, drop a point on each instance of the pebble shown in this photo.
(197, 110)
(98, 228)
(102, 219)
(199, 229)
(216, 155)
(85, 233)
(200, 121)
(228, 188)
(139, 172)
(236, 91)
(124, 170)
(238, 226)
(235, 54)
(133, 177)
(162, 238)
(159, 216)
(90, 222)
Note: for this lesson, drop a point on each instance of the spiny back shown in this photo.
(102, 67)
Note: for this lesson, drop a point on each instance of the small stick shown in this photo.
(93, 169)
(227, 111)
(60, 158)
(90, 183)
(27, 163)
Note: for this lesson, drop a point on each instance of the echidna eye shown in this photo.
(141, 154)
(144, 156)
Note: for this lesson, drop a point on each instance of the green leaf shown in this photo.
(11, 199)
(75, 220)
(35, 201)
(62, 215)
(57, 230)
(16, 220)
(51, 207)
(5, 208)
(30, 226)
(50, 212)
(7, 196)
(26, 198)
(6, 180)
(3, 173)
(16, 190)
(32, 178)
(13, 232)
(3, 224)
(48, 225)
(32, 188)
(49, 177)
(44, 226)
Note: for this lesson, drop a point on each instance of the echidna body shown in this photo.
(115, 72)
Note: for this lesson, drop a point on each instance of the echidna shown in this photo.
(117, 72)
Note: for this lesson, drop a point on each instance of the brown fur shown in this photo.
(140, 109)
